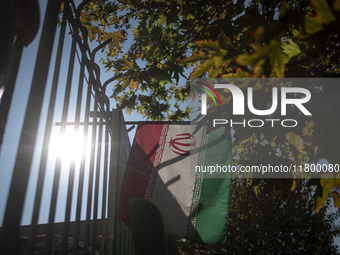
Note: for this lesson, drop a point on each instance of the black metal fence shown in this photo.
(67, 101)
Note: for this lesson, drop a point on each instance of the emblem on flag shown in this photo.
(182, 143)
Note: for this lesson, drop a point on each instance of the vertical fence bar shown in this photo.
(6, 98)
(113, 178)
(16, 197)
(96, 194)
(81, 170)
(76, 130)
(82, 166)
(84, 62)
(9, 14)
(82, 162)
(48, 128)
(91, 170)
(106, 155)
(56, 180)
(100, 104)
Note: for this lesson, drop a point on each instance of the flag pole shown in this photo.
(113, 179)
(136, 122)
(157, 122)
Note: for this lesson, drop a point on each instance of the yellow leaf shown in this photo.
(336, 199)
(293, 185)
(133, 85)
(295, 140)
(327, 182)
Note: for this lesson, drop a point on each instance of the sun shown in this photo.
(68, 145)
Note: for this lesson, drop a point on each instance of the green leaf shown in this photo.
(202, 69)
(208, 44)
(295, 140)
(277, 60)
(271, 51)
(162, 19)
(296, 32)
(190, 16)
(324, 13)
(314, 23)
(291, 49)
(224, 41)
(260, 52)
(336, 199)
(129, 64)
(327, 183)
(197, 56)
(336, 5)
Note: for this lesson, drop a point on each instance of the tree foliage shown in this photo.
(223, 39)
(273, 222)
(156, 43)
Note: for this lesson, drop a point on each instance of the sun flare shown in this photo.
(69, 145)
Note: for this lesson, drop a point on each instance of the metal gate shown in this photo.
(67, 103)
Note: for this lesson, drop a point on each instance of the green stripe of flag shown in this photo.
(211, 221)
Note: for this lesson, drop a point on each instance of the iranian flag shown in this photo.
(193, 205)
